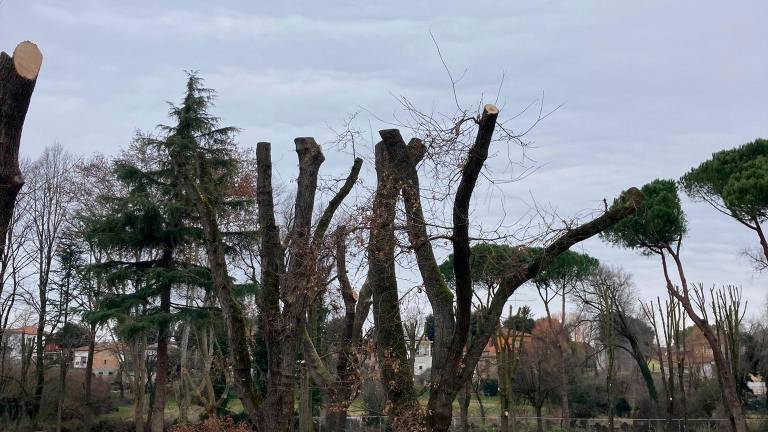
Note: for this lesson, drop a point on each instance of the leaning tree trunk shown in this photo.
(18, 75)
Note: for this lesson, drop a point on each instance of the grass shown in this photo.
(124, 410)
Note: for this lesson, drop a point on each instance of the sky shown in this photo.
(646, 89)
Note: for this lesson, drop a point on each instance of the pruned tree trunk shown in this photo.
(18, 75)
(454, 357)
(397, 377)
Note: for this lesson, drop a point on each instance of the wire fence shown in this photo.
(554, 424)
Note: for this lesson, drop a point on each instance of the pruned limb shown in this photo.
(476, 158)
(18, 75)
(325, 220)
(626, 205)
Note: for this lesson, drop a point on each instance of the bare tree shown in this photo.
(49, 181)
(454, 358)
(15, 260)
(669, 325)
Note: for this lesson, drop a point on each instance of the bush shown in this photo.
(218, 424)
(622, 407)
(374, 400)
(491, 387)
(704, 399)
(113, 425)
(588, 398)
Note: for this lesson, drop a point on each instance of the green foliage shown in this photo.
(521, 321)
(491, 387)
(71, 335)
(747, 191)
(147, 226)
(490, 263)
(429, 327)
(658, 223)
(622, 408)
(587, 397)
(736, 179)
(567, 269)
(704, 399)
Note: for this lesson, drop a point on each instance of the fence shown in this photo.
(553, 424)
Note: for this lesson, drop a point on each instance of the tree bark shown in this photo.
(396, 375)
(18, 75)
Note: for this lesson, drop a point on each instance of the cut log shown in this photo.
(18, 75)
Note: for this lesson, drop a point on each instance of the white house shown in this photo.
(16, 338)
(423, 358)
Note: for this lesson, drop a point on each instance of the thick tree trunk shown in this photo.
(396, 375)
(18, 75)
(282, 328)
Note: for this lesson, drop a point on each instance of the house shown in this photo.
(423, 358)
(698, 355)
(151, 350)
(16, 340)
(487, 366)
(105, 360)
(756, 384)
(654, 365)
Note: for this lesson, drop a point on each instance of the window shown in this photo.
(105, 361)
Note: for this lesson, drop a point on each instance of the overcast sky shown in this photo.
(649, 89)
